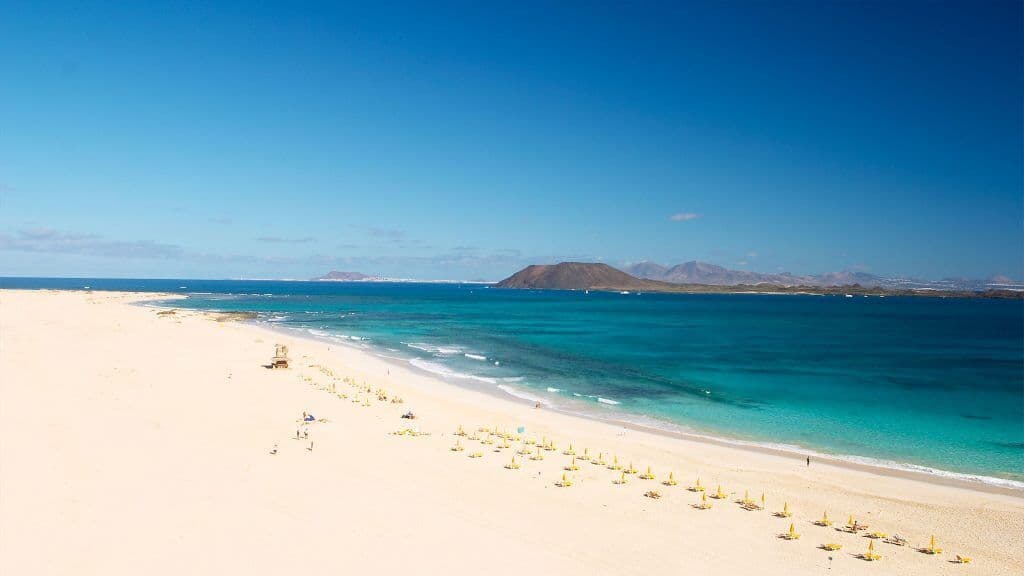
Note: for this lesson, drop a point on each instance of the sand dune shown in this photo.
(132, 443)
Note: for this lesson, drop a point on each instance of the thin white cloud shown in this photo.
(48, 240)
(684, 216)
(286, 240)
(387, 234)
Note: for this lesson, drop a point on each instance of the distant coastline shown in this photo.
(604, 278)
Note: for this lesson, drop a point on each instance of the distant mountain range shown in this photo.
(697, 277)
(575, 276)
(338, 276)
(713, 275)
(700, 278)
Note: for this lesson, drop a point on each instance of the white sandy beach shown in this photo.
(132, 443)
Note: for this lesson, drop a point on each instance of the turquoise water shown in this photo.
(936, 383)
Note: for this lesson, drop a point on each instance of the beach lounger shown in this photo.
(870, 555)
(932, 548)
(791, 534)
(704, 504)
(785, 513)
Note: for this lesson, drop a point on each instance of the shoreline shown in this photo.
(124, 401)
(976, 482)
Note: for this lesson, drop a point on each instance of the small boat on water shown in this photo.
(849, 295)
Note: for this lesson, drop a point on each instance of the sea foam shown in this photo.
(442, 370)
(521, 394)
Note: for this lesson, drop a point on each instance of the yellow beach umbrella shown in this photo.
(704, 504)
(871, 552)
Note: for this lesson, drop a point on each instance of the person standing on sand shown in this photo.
(808, 461)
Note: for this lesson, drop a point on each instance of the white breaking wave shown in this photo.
(522, 395)
(550, 389)
(475, 357)
(606, 401)
(442, 350)
(336, 338)
(442, 370)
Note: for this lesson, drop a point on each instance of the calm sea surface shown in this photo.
(936, 383)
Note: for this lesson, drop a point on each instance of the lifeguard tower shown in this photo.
(280, 359)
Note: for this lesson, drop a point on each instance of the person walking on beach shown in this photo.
(808, 461)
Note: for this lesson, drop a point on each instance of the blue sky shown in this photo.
(463, 141)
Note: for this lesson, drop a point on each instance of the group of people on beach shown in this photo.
(301, 433)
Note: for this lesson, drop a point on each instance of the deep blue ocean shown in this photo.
(917, 382)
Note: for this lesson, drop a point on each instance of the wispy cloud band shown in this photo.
(286, 240)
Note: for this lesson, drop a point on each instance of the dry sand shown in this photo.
(132, 443)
